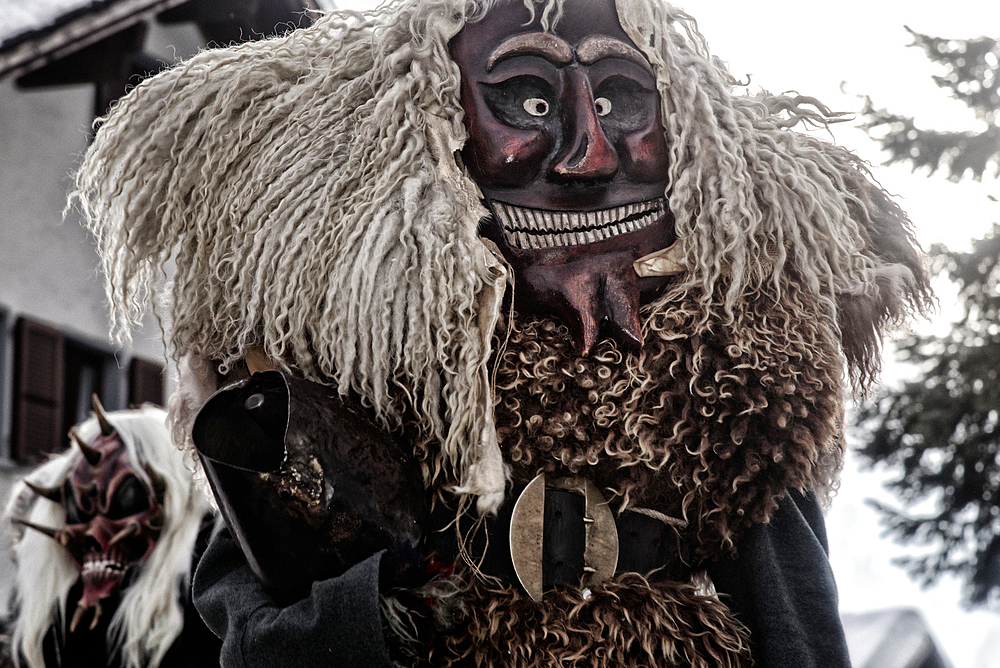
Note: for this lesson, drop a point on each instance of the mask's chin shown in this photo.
(578, 266)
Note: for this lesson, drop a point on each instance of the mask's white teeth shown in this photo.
(517, 215)
(501, 211)
(537, 228)
(512, 214)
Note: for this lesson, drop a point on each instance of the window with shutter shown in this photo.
(145, 382)
(55, 376)
(36, 427)
(83, 377)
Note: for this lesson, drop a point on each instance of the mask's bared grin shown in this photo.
(101, 577)
(527, 228)
(96, 568)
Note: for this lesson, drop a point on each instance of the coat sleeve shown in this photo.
(781, 587)
(338, 624)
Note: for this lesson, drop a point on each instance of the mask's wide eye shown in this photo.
(130, 499)
(625, 104)
(523, 101)
(536, 106)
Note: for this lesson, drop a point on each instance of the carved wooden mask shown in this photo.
(567, 146)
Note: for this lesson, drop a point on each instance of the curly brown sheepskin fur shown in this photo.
(627, 622)
(706, 424)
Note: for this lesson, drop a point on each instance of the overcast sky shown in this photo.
(839, 53)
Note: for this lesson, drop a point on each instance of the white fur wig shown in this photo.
(150, 615)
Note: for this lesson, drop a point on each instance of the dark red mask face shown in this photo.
(567, 145)
(113, 519)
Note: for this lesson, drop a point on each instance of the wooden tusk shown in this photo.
(56, 534)
(77, 616)
(102, 418)
(131, 530)
(50, 493)
(92, 455)
(158, 483)
(156, 521)
(97, 615)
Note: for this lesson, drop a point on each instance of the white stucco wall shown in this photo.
(48, 264)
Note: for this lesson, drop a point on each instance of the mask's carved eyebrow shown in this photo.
(593, 48)
(541, 44)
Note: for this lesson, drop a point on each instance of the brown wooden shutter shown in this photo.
(83, 376)
(38, 391)
(145, 382)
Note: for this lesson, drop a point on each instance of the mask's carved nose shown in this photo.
(586, 152)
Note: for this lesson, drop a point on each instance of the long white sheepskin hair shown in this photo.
(150, 615)
(307, 190)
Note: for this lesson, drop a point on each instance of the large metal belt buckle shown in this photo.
(600, 555)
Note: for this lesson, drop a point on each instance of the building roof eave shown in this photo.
(34, 49)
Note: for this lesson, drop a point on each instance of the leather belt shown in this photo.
(561, 531)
